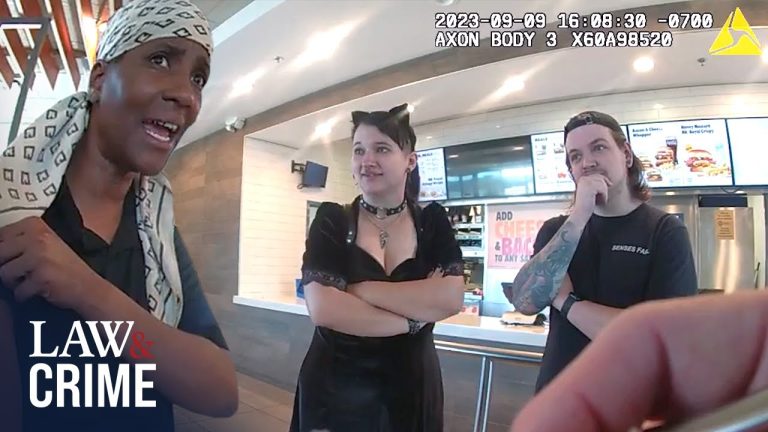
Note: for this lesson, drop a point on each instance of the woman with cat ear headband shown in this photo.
(87, 233)
(377, 274)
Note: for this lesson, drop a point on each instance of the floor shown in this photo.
(263, 408)
(266, 408)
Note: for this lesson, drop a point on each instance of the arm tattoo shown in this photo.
(539, 280)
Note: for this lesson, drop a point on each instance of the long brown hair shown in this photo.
(638, 186)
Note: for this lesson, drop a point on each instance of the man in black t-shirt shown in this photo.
(612, 251)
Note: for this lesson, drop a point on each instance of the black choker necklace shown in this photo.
(381, 212)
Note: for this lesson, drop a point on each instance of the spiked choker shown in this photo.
(382, 212)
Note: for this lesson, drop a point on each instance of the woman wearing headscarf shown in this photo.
(87, 234)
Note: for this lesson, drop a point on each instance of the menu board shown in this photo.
(749, 148)
(683, 153)
(432, 173)
(551, 173)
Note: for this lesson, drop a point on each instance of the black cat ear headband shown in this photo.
(399, 112)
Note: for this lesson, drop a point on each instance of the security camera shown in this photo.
(234, 124)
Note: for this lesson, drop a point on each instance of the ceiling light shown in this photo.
(765, 55)
(513, 84)
(453, 156)
(498, 126)
(429, 137)
(322, 45)
(245, 84)
(411, 108)
(658, 106)
(643, 64)
(324, 129)
(518, 148)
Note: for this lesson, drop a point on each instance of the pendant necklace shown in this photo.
(383, 234)
(382, 213)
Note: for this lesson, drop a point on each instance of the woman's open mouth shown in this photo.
(162, 132)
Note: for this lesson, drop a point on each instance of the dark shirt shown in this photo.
(122, 264)
(619, 262)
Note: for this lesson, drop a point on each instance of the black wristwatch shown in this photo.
(572, 298)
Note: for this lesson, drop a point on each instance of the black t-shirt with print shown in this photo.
(619, 262)
(122, 264)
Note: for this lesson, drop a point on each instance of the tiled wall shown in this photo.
(741, 100)
(273, 215)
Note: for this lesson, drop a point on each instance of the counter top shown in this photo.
(463, 326)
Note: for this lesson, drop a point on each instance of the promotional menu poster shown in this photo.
(749, 148)
(684, 153)
(432, 173)
(549, 167)
(511, 234)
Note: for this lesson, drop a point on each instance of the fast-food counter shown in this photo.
(489, 369)
(479, 329)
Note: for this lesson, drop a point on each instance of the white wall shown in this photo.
(738, 100)
(273, 212)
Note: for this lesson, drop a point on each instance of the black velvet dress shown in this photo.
(371, 384)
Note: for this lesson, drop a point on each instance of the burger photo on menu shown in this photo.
(653, 175)
(699, 159)
(665, 158)
(647, 162)
(702, 162)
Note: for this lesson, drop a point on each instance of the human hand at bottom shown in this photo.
(664, 360)
(35, 261)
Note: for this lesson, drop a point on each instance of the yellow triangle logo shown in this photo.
(736, 37)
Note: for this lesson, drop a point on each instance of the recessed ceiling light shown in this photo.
(411, 108)
(643, 64)
(453, 156)
(765, 55)
(658, 106)
(429, 137)
(518, 148)
(324, 129)
(498, 126)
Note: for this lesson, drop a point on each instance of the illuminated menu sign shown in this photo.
(432, 173)
(683, 154)
(749, 149)
(551, 173)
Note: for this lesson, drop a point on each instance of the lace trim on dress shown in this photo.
(324, 278)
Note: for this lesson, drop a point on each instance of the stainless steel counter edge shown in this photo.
(490, 329)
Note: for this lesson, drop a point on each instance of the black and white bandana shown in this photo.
(33, 165)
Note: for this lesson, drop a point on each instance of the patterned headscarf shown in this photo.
(33, 165)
